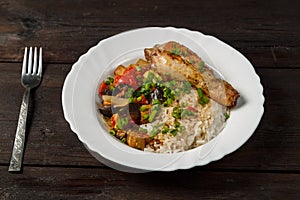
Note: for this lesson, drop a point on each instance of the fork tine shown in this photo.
(24, 62)
(40, 69)
(34, 60)
(29, 67)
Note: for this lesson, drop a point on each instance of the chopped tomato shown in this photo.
(114, 119)
(117, 78)
(101, 88)
(128, 77)
(143, 99)
(128, 80)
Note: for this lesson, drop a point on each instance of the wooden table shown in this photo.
(56, 164)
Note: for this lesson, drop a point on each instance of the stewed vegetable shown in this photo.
(135, 96)
(172, 102)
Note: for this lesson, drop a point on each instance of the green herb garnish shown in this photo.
(131, 99)
(152, 115)
(121, 122)
(174, 132)
(186, 112)
(185, 53)
(165, 129)
(144, 108)
(145, 116)
(112, 132)
(176, 112)
(201, 65)
(202, 98)
(226, 116)
(129, 92)
(138, 68)
(155, 101)
(176, 50)
(109, 80)
(151, 77)
(143, 130)
(139, 98)
(154, 131)
(168, 102)
(186, 87)
(153, 112)
(176, 124)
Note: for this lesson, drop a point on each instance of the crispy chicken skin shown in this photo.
(182, 63)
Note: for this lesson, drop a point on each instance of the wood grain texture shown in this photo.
(66, 29)
(98, 183)
(57, 165)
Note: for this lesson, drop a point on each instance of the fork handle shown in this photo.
(17, 153)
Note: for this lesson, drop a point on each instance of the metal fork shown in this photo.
(30, 78)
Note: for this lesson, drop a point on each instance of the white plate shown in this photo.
(81, 84)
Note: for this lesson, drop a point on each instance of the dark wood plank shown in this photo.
(68, 29)
(49, 134)
(274, 145)
(56, 164)
(277, 137)
(99, 183)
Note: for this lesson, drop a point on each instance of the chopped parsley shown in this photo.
(186, 112)
(121, 122)
(202, 98)
(226, 116)
(176, 50)
(201, 65)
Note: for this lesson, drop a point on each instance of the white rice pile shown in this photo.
(195, 130)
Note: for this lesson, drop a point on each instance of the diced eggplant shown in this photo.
(106, 91)
(106, 111)
(134, 111)
(120, 89)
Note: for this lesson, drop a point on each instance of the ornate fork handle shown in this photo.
(17, 153)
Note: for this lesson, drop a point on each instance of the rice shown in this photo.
(207, 123)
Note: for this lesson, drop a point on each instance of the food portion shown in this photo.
(175, 58)
(170, 102)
